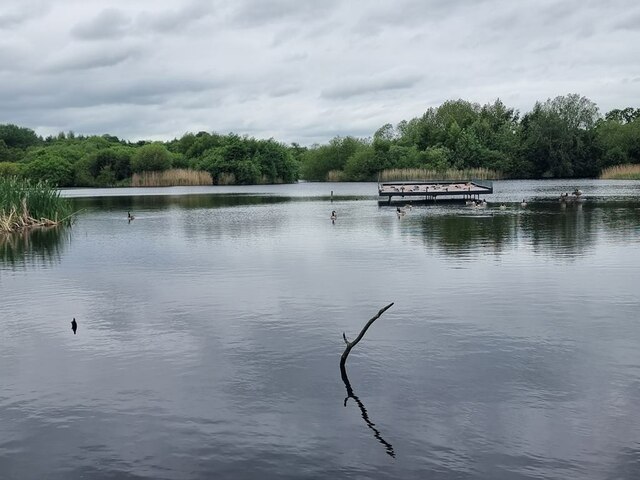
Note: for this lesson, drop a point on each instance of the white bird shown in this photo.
(523, 204)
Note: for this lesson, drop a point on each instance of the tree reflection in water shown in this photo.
(551, 228)
(34, 245)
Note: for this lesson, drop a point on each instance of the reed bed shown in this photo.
(226, 179)
(621, 172)
(25, 204)
(265, 180)
(398, 174)
(171, 178)
(335, 176)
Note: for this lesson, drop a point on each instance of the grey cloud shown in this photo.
(177, 19)
(412, 12)
(284, 90)
(260, 12)
(109, 23)
(629, 22)
(150, 90)
(113, 23)
(370, 85)
(303, 70)
(92, 91)
(296, 57)
(91, 60)
(12, 17)
(8, 58)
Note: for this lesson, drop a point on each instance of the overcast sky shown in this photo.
(301, 70)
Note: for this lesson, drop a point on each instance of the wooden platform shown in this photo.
(433, 191)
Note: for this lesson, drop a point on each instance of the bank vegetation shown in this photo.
(26, 204)
(621, 172)
(563, 137)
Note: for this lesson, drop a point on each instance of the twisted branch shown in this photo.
(350, 345)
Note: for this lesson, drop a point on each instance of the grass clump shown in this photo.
(398, 174)
(621, 172)
(25, 204)
(171, 178)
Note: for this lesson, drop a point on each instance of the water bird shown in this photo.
(523, 203)
(129, 216)
(400, 212)
(334, 216)
(74, 325)
(503, 207)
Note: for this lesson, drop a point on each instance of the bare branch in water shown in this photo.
(350, 345)
(347, 384)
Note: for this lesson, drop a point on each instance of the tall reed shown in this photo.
(449, 174)
(335, 176)
(171, 178)
(25, 204)
(621, 172)
(225, 178)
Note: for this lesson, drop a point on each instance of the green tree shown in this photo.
(151, 157)
(51, 167)
(5, 153)
(9, 169)
(575, 111)
(546, 144)
(437, 158)
(363, 165)
(318, 161)
(626, 115)
(18, 137)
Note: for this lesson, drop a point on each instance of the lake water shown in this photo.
(210, 333)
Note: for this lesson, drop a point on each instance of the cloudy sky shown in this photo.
(301, 70)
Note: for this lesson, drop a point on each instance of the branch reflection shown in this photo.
(363, 411)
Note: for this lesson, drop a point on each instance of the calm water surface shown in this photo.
(210, 332)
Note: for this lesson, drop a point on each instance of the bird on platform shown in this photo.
(503, 207)
(74, 325)
(523, 204)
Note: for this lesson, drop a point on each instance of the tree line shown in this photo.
(564, 137)
(69, 160)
